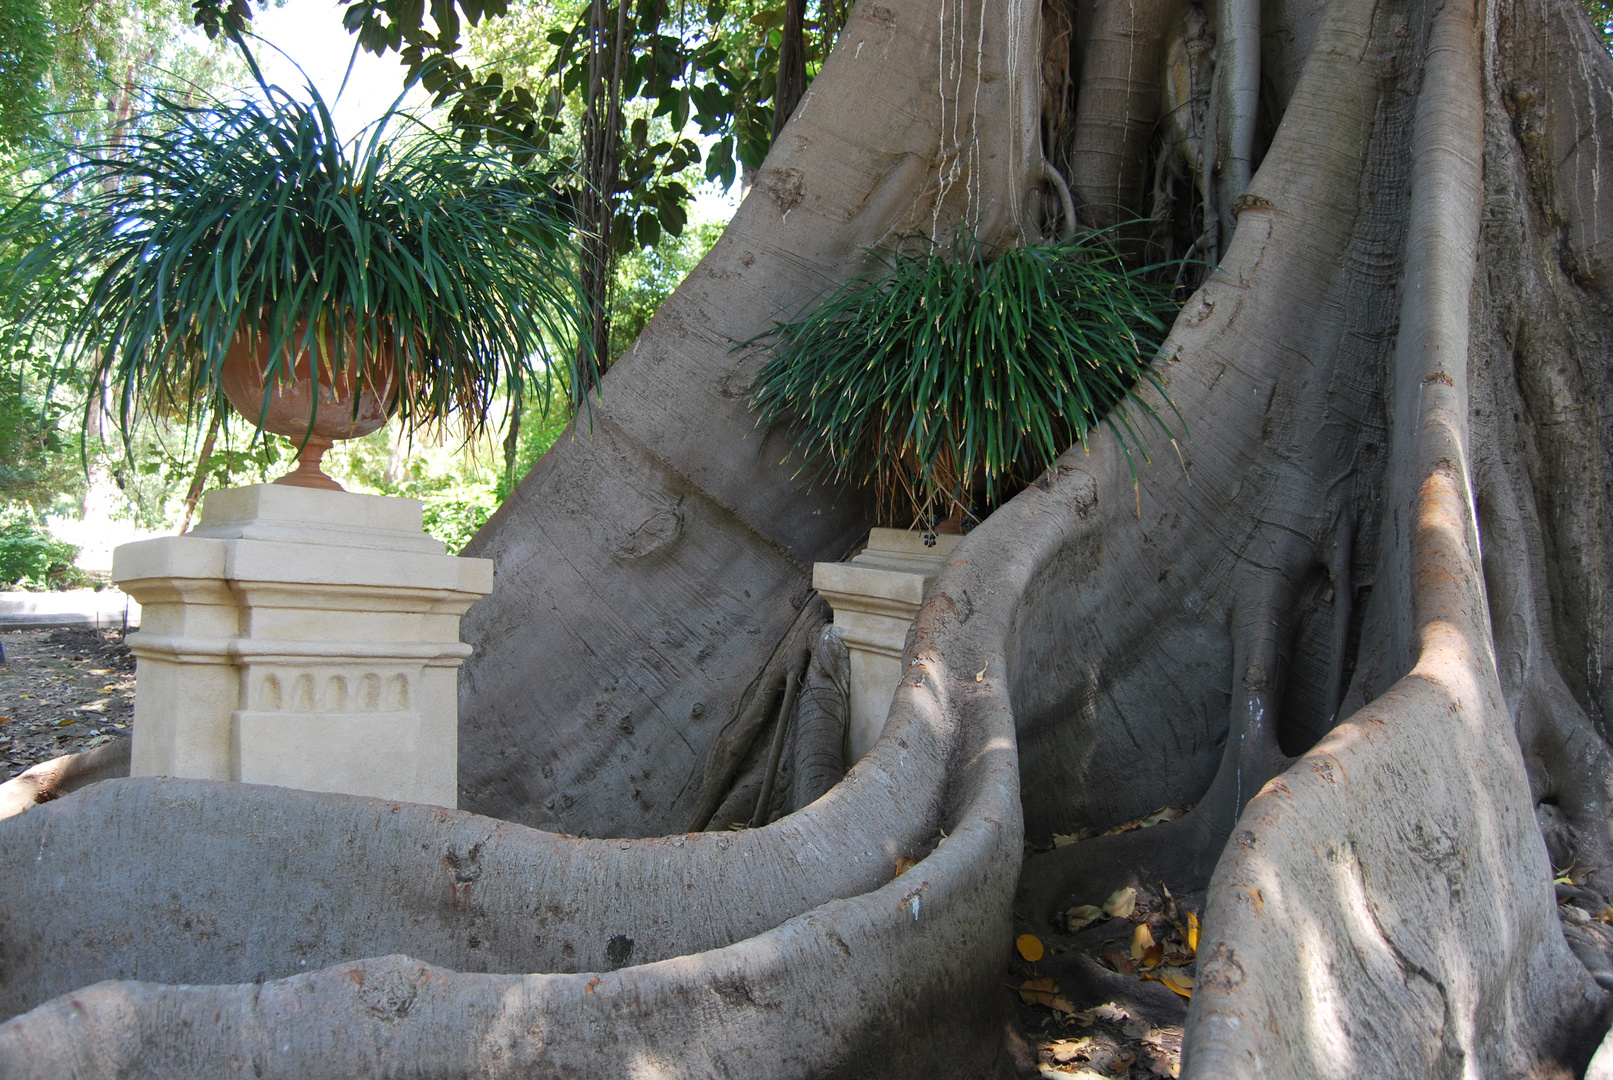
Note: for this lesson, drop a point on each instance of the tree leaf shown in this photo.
(1030, 947)
(1044, 991)
(1079, 918)
(1121, 903)
(1178, 980)
(1142, 939)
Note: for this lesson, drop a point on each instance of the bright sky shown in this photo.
(310, 32)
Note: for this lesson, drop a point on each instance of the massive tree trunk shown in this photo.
(1356, 619)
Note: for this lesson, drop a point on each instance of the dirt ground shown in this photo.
(62, 691)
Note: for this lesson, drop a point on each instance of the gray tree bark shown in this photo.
(1356, 620)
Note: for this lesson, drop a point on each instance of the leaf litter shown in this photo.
(62, 691)
(1143, 936)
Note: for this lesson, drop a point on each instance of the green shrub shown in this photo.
(941, 380)
(32, 559)
(454, 515)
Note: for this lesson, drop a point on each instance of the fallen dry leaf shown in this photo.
(1029, 946)
(1120, 962)
(1079, 918)
(1164, 813)
(1192, 935)
(1108, 1011)
(1179, 981)
(1064, 1051)
(1142, 939)
(1121, 903)
(1044, 991)
(1605, 917)
(903, 865)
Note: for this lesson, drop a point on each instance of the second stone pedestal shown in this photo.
(303, 638)
(876, 597)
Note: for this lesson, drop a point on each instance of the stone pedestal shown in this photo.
(875, 598)
(303, 638)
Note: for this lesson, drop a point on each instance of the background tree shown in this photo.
(71, 73)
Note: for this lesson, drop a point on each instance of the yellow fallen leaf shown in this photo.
(1121, 903)
(1605, 917)
(1192, 934)
(1044, 991)
(1079, 918)
(1029, 946)
(1142, 939)
(903, 865)
(1179, 981)
(1164, 813)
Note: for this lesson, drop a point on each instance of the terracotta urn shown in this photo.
(290, 409)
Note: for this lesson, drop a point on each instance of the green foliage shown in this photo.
(252, 215)
(939, 376)
(68, 74)
(25, 54)
(454, 516)
(712, 65)
(713, 68)
(69, 67)
(31, 559)
(38, 461)
(157, 462)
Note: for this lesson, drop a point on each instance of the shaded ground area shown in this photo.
(62, 691)
(1105, 993)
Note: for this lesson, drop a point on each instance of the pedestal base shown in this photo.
(876, 597)
(304, 638)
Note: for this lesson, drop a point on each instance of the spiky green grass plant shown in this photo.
(196, 221)
(944, 375)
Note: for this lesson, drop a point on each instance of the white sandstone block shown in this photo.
(304, 638)
(876, 597)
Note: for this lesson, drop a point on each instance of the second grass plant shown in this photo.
(945, 378)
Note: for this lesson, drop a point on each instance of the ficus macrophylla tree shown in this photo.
(1359, 624)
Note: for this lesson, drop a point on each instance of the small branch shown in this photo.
(197, 481)
(1066, 201)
